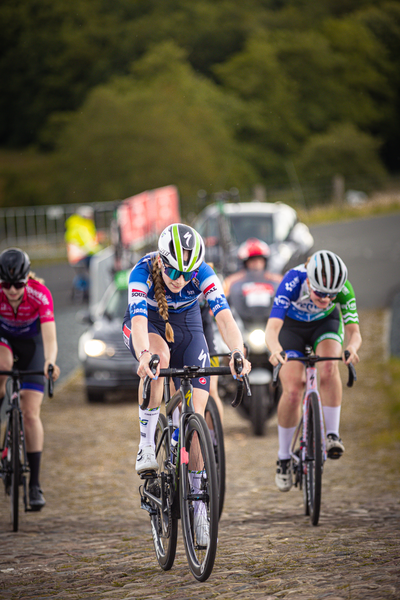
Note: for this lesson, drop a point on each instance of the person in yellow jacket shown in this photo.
(82, 243)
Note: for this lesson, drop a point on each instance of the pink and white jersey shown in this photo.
(36, 307)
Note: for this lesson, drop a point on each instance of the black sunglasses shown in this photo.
(322, 294)
(17, 284)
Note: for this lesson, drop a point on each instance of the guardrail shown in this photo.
(39, 230)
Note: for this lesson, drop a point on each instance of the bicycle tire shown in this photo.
(259, 409)
(214, 424)
(164, 527)
(198, 451)
(314, 459)
(15, 468)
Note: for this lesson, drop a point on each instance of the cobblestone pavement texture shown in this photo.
(92, 541)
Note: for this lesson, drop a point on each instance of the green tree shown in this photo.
(343, 150)
(161, 125)
(269, 129)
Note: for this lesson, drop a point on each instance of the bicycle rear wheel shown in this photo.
(15, 468)
(214, 424)
(198, 497)
(314, 459)
(164, 526)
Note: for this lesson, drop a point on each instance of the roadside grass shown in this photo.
(378, 205)
(391, 388)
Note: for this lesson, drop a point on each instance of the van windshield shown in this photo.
(258, 226)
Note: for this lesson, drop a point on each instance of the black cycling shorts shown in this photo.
(189, 346)
(296, 335)
(28, 356)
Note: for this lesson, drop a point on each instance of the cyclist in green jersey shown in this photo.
(314, 306)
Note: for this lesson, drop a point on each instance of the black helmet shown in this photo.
(14, 265)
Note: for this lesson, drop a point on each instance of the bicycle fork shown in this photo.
(300, 460)
(311, 386)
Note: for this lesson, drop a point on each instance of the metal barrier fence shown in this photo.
(39, 230)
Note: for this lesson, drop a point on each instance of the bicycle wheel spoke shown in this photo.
(214, 424)
(15, 469)
(314, 460)
(199, 499)
(164, 525)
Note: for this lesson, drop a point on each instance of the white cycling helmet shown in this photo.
(174, 240)
(326, 272)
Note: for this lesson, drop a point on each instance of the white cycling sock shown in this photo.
(175, 417)
(285, 435)
(148, 424)
(332, 419)
(195, 479)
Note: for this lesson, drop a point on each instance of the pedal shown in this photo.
(149, 474)
(335, 453)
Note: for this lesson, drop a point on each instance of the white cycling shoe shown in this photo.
(334, 446)
(146, 460)
(283, 477)
(201, 526)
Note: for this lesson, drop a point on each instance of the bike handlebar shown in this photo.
(194, 372)
(19, 374)
(311, 360)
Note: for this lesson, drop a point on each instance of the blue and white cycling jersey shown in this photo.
(292, 299)
(141, 290)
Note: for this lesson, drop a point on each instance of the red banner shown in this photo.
(145, 215)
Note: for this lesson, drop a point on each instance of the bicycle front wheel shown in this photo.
(314, 459)
(198, 497)
(214, 424)
(15, 468)
(164, 525)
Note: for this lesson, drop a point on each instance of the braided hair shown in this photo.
(159, 293)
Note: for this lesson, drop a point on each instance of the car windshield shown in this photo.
(252, 226)
(116, 306)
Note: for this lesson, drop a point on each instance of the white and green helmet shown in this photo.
(326, 272)
(174, 240)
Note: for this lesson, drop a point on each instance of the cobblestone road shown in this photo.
(92, 541)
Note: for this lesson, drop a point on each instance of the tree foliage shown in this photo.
(232, 90)
(162, 124)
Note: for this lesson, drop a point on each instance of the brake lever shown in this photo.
(275, 372)
(352, 371)
(153, 364)
(50, 371)
(238, 366)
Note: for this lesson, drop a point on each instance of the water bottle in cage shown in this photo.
(174, 445)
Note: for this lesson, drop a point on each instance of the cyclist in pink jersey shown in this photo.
(28, 340)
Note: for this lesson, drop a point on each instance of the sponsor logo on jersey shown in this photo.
(138, 294)
(210, 289)
(282, 302)
(290, 285)
(39, 295)
(350, 305)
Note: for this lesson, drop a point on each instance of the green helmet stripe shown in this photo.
(196, 251)
(178, 247)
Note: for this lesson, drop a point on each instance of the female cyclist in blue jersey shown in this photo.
(163, 317)
(315, 306)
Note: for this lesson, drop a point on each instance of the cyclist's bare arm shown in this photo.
(354, 340)
(232, 337)
(140, 341)
(272, 331)
(50, 348)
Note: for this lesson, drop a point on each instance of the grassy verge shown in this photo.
(380, 204)
(391, 388)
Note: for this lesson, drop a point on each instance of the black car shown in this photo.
(224, 226)
(108, 365)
